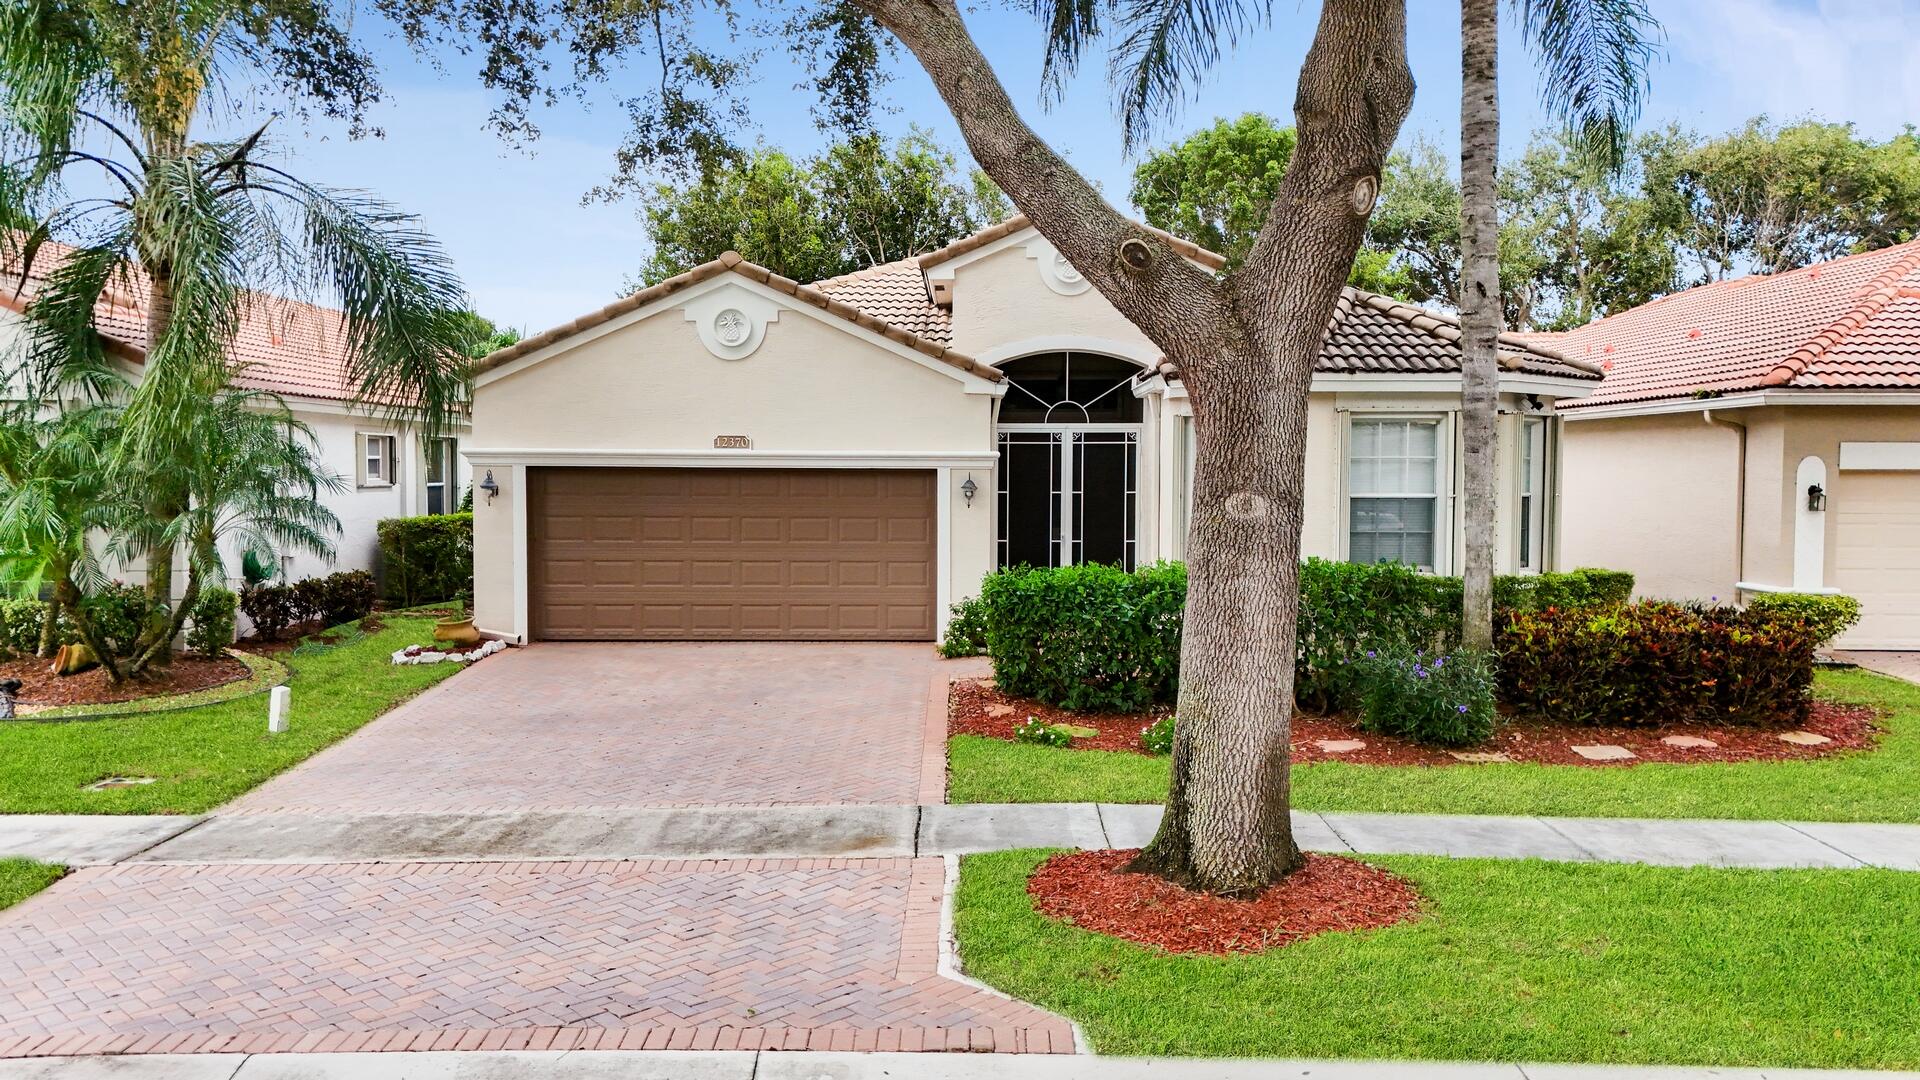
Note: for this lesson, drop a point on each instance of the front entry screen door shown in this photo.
(1068, 494)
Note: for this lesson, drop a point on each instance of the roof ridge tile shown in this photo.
(1873, 297)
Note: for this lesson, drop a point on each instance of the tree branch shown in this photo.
(1171, 300)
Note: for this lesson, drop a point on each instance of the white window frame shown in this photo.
(449, 475)
(1533, 494)
(1443, 479)
(388, 444)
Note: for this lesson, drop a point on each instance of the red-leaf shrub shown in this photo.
(1655, 663)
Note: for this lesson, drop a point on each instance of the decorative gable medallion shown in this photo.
(731, 320)
(1055, 271)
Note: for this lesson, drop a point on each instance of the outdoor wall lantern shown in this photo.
(490, 486)
(969, 489)
(1816, 497)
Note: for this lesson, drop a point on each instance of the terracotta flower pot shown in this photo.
(458, 632)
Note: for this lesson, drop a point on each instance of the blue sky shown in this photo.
(533, 256)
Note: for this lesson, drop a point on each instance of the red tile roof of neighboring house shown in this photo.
(284, 346)
(1849, 323)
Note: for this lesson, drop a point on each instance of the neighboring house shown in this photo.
(294, 350)
(1758, 435)
(730, 454)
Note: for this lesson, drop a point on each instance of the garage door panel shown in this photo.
(724, 553)
(1877, 556)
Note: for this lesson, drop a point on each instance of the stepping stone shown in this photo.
(1340, 746)
(1690, 742)
(1604, 753)
(1803, 738)
(1077, 731)
(1001, 710)
(1480, 757)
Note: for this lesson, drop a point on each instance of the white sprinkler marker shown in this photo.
(279, 700)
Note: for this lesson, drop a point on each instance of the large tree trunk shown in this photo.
(1479, 307)
(1245, 344)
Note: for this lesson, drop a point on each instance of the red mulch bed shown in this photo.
(292, 637)
(1089, 890)
(184, 675)
(978, 708)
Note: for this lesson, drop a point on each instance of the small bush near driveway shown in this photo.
(1827, 617)
(1087, 637)
(1655, 663)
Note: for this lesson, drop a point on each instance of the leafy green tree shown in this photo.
(1214, 186)
(1767, 198)
(861, 202)
(480, 336)
(115, 87)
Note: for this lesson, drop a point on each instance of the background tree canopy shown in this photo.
(863, 201)
(1576, 241)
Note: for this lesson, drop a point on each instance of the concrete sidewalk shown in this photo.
(903, 831)
(771, 1065)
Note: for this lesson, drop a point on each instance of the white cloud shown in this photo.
(1843, 60)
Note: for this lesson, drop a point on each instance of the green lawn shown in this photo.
(1511, 961)
(20, 879)
(203, 757)
(1880, 785)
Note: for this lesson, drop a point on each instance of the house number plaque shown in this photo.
(732, 442)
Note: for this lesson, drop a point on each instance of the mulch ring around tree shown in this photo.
(978, 708)
(184, 675)
(1088, 889)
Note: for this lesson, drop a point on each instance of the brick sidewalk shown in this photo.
(596, 726)
(816, 954)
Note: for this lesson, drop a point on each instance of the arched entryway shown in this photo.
(1069, 477)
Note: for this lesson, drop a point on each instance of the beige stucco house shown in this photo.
(730, 454)
(1757, 435)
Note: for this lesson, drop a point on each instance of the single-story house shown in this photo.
(1757, 435)
(294, 350)
(732, 454)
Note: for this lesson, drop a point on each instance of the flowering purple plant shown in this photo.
(1445, 699)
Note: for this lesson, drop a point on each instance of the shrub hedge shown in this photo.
(1826, 616)
(1439, 699)
(1086, 637)
(426, 559)
(1655, 663)
(118, 611)
(212, 622)
(343, 597)
(1097, 637)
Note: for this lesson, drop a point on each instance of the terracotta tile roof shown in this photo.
(894, 292)
(1851, 322)
(283, 346)
(1378, 335)
(732, 263)
(1018, 222)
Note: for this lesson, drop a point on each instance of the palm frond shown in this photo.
(1069, 25)
(1593, 57)
(1165, 46)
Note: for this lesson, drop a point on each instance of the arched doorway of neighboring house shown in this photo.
(1069, 477)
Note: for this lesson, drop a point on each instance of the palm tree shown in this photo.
(199, 230)
(1593, 56)
(54, 490)
(253, 486)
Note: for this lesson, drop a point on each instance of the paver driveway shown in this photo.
(596, 726)
(820, 954)
(795, 954)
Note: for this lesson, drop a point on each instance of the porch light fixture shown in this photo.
(969, 489)
(490, 486)
(1816, 497)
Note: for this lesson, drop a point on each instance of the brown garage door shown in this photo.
(716, 554)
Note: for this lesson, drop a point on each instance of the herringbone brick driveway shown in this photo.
(822, 954)
(593, 726)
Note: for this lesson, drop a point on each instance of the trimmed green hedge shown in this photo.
(1100, 638)
(118, 611)
(1826, 616)
(426, 559)
(1087, 637)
